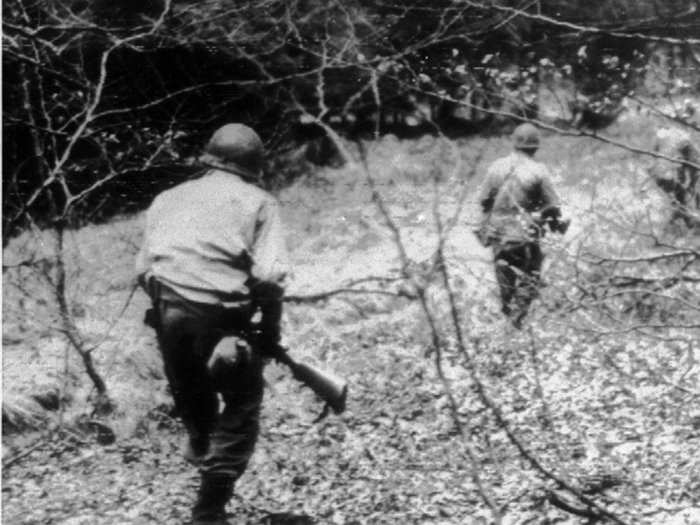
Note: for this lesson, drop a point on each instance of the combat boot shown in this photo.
(214, 494)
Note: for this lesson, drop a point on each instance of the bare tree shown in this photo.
(355, 71)
(60, 74)
(599, 292)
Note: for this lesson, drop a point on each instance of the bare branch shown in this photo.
(583, 29)
(599, 259)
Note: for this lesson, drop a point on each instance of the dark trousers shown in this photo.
(206, 354)
(518, 274)
(685, 199)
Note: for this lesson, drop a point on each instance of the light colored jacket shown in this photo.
(516, 189)
(678, 180)
(208, 239)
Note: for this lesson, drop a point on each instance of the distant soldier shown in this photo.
(517, 202)
(213, 253)
(679, 181)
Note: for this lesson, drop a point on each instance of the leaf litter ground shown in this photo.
(586, 406)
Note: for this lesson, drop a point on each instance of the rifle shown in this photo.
(266, 297)
(329, 387)
(551, 217)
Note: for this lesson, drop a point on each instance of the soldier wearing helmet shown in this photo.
(680, 181)
(517, 201)
(213, 254)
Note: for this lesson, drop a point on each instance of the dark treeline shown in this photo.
(107, 103)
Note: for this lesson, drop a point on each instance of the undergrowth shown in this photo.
(598, 386)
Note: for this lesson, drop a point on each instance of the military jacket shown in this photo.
(208, 239)
(517, 189)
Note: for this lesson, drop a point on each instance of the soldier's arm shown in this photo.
(549, 205)
(488, 191)
(142, 258)
(663, 171)
(269, 269)
(141, 265)
(269, 252)
(691, 154)
(548, 197)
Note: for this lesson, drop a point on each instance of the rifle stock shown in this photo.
(327, 386)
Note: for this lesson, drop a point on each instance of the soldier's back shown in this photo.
(520, 177)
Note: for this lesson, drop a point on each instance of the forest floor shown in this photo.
(617, 414)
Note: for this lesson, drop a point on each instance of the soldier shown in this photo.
(213, 253)
(517, 201)
(678, 181)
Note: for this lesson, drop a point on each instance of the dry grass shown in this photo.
(398, 435)
(335, 234)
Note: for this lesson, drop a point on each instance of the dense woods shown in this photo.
(380, 119)
(106, 105)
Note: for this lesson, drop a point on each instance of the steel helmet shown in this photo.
(526, 136)
(236, 148)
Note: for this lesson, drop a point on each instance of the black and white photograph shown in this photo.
(350, 262)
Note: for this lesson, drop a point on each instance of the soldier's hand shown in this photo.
(563, 226)
(231, 353)
(264, 291)
(269, 339)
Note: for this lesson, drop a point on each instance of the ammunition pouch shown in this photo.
(232, 353)
(150, 318)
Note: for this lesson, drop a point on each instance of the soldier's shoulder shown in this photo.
(672, 136)
(533, 168)
(201, 189)
(229, 184)
(171, 193)
(255, 192)
(504, 161)
(501, 166)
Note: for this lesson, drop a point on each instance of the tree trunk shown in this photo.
(67, 325)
